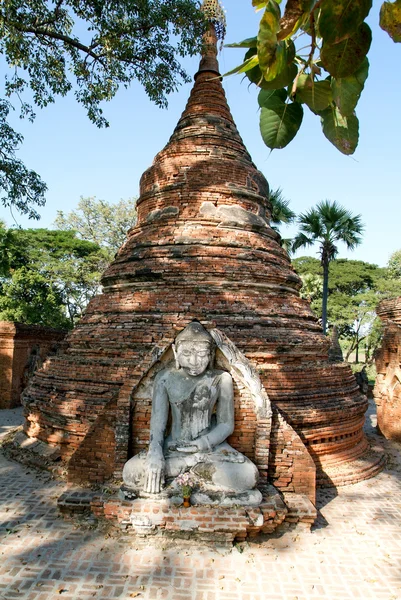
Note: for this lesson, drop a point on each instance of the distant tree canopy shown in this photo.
(91, 48)
(313, 54)
(394, 265)
(355, 289)
(47, 277)
(99, 222)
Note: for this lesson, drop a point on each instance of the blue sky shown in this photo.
(77, 159)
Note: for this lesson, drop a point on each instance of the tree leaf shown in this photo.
(265, 96)
(279, 121)
(347, 90)
(390, 19)
(245, 66)
(344, 58)
(316, 94)
(342, 132)
(248, 43)
(296, 14)
(267, 35)
(259, 3)
(279, 63)
(283, 79)
(339, 19)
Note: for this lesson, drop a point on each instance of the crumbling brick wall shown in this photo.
(23, 348)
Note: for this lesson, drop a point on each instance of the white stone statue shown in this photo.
(200, 399)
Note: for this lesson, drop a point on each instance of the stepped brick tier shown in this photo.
(387, 390)
(203, 249)
(23, 348)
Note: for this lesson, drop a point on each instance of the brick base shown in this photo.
(143, 517)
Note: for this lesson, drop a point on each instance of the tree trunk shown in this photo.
(357, 350)
(325, 265)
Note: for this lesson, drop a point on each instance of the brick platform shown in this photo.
(147, 518)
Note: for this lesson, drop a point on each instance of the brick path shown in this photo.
(354, 550)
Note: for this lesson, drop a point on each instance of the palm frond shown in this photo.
(281, 211)
(301, 240)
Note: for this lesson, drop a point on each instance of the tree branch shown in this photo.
(39, 31)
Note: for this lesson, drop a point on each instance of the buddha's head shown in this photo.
(193, 349)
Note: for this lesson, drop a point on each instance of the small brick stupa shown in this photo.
(202, 249)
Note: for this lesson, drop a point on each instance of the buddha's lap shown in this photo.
(223, 466)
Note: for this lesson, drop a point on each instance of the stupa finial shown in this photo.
(216, 31)
(215, 13)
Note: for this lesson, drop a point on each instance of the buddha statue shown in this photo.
(200, 399)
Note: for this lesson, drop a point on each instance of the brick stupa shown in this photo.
(202, 249)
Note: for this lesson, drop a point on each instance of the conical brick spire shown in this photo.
(202, 249)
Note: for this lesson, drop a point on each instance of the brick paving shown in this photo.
(353, 551)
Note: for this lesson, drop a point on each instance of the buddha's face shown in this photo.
(193, 357)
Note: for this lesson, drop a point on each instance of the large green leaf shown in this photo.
(344, 58)
(255, 74)
(248, 43)
(266, 96)
(342, 132)
(339, 19)
(283, 79)
(316, 94)
(267, 35)
(279, 121)
(390, 19)
(245, 66)
(291, 51)
(279, 63)
(347, 90)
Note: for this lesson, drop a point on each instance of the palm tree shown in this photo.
(281, 213)
(326, 225)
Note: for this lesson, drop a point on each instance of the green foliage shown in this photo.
(47, 276)
(279, 121)
(329, 78)
(390, 19)
(347, 90)
(328, 224)
(312, 290)
(341, 131)
(27, 297)
(91, 48)
(354, 290)
(19, 186)
(281, 213)
(280, 208)
(394, 265)
(99, 222)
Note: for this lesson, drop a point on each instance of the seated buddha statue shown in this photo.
(200, 400)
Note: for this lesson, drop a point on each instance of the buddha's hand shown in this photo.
(187, 447)
(154, 481)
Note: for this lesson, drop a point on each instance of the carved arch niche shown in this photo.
(252, 409)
